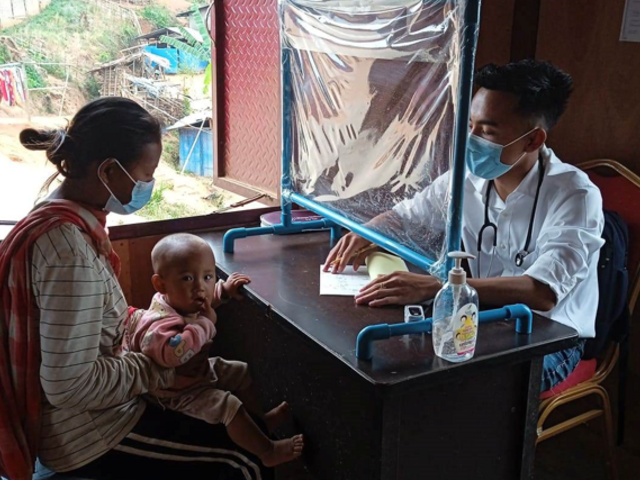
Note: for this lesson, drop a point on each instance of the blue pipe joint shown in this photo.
(364, 343)
(280, 229)
(232, 235)
(299, 227)
(523, 317)
(518, 312)
(372, 333)
(336, 233)
(366, 337)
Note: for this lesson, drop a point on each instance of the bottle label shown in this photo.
(465, 329)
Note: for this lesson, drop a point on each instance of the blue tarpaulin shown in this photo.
(178, 59)
(200, 162)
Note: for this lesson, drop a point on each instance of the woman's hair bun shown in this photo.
(36, 139)
(52, 141)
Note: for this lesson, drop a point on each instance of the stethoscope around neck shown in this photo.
(489, 225)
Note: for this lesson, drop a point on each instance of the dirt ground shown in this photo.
(24, 172)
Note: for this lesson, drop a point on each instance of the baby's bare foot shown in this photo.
(277, 416)
(284, 451)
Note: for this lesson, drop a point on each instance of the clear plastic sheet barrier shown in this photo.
(373, 90)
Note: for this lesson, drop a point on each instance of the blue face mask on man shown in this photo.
(140, 195)
(483, 156)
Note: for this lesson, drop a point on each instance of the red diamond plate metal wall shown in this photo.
(248, 34)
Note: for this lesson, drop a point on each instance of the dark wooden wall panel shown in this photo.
(135, 278)
(526, 14)
(494, 42)
(603, 117)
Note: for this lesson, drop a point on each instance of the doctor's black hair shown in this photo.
(111, 127)
(543, 89)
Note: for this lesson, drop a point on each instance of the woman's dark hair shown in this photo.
(111, 127)
(542, 88)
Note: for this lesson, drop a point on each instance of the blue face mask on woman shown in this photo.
(140, 195)
(483, 156)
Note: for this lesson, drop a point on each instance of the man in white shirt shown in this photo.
(538, 241)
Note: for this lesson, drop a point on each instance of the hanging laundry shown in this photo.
(12, 89)
(21, 84)
(3, 87)
(13, 85)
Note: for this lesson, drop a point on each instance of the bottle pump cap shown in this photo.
(457, 275)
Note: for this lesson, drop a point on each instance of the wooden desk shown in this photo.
(404, 415)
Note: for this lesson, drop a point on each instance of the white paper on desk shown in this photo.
(347, 283)
(630, 31)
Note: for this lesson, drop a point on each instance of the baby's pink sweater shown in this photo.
(168, 338)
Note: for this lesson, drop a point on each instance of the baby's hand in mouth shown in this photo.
(206, 308)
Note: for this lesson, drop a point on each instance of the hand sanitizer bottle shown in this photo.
(455, 315)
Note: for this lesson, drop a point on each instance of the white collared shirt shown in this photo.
(565, 241)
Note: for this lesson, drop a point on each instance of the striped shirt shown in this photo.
(91, 388)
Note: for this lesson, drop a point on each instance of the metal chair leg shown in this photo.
(581, 391)
(623, 367)
(607, 420)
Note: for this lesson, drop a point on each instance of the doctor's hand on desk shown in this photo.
(348, 248)
(399, 288)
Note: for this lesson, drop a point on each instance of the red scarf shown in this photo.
(19, 329)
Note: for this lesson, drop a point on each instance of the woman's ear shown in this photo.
(158, 284)
(106, 169)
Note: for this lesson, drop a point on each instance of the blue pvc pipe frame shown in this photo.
(286, 225)
(364, 343)
(334, 220)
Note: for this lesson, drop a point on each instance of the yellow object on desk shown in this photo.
(379, 263)
(350, 282)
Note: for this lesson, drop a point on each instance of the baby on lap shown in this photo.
(179, 325)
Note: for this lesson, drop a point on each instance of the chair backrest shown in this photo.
(620, 189)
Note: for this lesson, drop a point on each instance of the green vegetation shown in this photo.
(159, 208)
(112, 42)
(158, 16)
(34, 79)
(92, 87)
(191, 45)
(58, 71)
(171, 149)
(70, 31)
(188, 110)
(5, 56)
(84, 33)
(60, 17)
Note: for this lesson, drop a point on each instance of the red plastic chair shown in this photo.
(620, 189)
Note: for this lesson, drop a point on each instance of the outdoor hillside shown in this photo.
(63, 49)
(71, 37)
